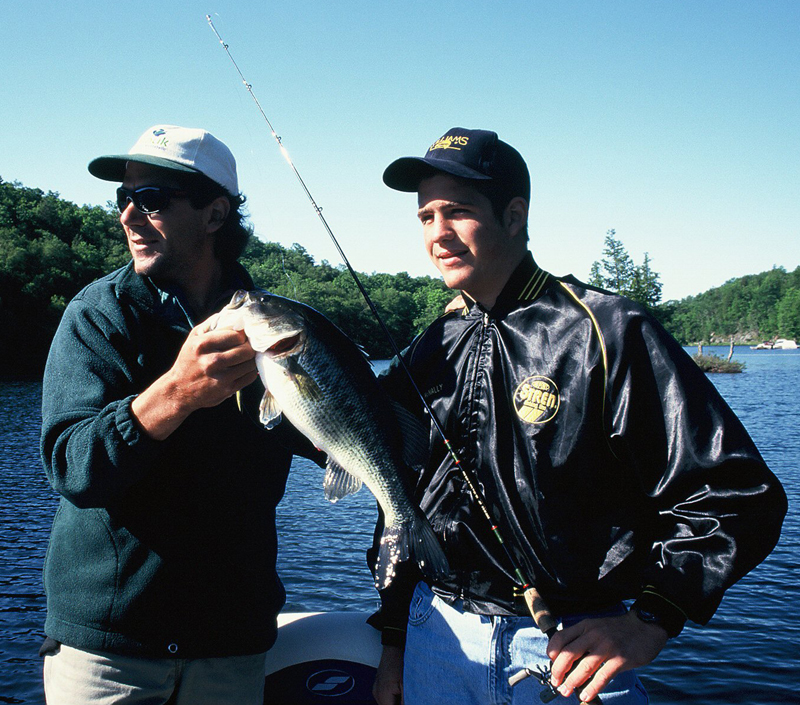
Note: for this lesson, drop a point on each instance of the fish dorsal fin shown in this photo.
(269, 413)
(415, 437)
(338, 482)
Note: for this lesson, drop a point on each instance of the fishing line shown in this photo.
(291, 281)
(536, 605)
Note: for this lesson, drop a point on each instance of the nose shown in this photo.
(439, 229)
(131, 215)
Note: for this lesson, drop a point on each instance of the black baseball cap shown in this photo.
(469, 154)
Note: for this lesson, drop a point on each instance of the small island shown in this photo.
(715, 363)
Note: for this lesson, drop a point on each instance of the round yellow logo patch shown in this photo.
(537, 399)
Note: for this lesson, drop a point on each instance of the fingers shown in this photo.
(577, 667)
(211, 366)
(594, 651)
(388, 686)
(589, 678)
(565, 649)
(218, 340)
(220, 350)
(209, 324)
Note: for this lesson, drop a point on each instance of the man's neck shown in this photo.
(203, 296)
(488, 298)
(199, 293)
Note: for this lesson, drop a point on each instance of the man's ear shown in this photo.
(515, 216)
(218, 211)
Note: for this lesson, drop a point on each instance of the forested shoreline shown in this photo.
(746, 310)
(51, 248)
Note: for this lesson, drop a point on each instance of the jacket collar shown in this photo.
(236, 278)
(170, 301)
(527, 283)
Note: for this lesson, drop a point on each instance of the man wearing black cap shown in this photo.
(610, 464)
(160, 573)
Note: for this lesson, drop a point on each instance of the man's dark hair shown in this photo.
(499, 194)
(232, 236)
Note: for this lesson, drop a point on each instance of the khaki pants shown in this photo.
(76, 677)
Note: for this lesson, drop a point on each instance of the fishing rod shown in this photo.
(536, 605)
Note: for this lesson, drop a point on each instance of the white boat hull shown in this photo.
(322, 658)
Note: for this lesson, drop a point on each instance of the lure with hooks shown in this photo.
(542, 674)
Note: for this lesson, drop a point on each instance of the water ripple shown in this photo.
(742, 656)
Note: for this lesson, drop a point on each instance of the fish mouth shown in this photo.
(285, 346)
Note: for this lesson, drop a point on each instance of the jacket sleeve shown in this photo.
(91, 445)
(716, 509)
(392, 617)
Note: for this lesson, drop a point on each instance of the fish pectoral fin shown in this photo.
(338, 482)
(306, 386)
(414, 435)
(269, 413)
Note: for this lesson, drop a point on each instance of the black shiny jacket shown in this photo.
(611, 464)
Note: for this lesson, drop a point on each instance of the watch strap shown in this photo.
(653, 608)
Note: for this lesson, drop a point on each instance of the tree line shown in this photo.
(51, 248)
(746, 309)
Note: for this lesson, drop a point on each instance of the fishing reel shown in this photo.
(542, 674)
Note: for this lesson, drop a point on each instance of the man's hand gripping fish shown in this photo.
(321, 381)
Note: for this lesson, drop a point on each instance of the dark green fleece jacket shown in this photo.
(158, 548)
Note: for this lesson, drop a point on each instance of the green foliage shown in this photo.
(617, 272)
(748, 309)
(752, 308)
(715, 363)
(788, 313)
(405, 304)
(51, 248)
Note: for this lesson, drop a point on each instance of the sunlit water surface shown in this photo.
(747, 654)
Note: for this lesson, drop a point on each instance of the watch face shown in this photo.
(672, 624)
(646, 616)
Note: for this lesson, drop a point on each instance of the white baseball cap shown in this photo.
(179, 148)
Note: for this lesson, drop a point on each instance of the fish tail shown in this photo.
(402, 542)
(427, 550)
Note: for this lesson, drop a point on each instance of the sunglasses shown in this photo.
(147, 199)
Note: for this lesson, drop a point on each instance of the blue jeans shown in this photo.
(454, 657)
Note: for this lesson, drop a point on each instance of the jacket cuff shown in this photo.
(126, 424)
(653, 607)
(392, 636)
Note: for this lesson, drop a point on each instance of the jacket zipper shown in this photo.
(470, 430)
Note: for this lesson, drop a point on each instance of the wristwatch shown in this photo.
(652, 609)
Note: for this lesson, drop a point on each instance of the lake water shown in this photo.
(749, 652)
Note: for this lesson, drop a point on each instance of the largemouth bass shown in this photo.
(322, 382)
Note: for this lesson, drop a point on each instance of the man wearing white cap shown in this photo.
(160, 574)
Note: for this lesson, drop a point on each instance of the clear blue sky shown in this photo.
(676, 122)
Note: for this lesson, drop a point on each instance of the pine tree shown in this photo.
(646, 287)
(617, 272)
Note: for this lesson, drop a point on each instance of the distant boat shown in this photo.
(778, 344)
